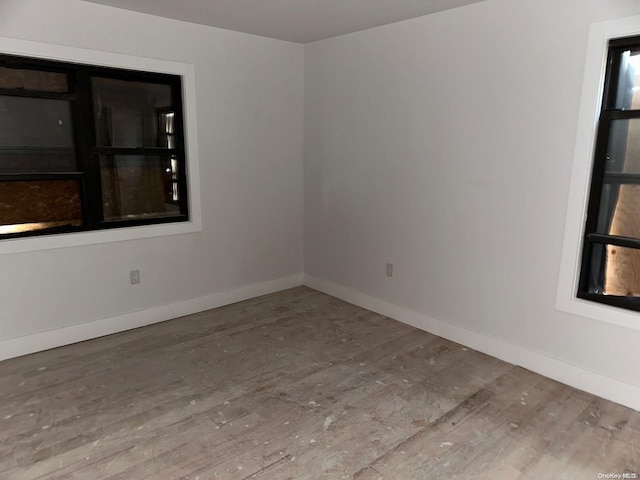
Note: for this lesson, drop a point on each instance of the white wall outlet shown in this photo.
(134, 277)
(389, 269)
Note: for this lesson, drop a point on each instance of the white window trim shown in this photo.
(599, 36)
(12, 46)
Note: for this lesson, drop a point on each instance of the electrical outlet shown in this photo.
(134, 277)
(389, 269)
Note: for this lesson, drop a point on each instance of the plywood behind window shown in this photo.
(136, 192)
(622, 268)
(37, 201)
(35, 80)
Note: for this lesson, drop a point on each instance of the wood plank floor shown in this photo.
(298, 385)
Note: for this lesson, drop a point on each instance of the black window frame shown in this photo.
(87, 152)
(599, 177)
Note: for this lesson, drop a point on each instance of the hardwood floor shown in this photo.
(298, 385)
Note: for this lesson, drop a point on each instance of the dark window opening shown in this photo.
(610, 270)
(87, 148)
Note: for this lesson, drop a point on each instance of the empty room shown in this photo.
(302, 239)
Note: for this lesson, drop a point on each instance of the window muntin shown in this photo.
(611, 253)
(76, 122)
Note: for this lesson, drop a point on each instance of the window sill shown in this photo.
(64, 240)
(599, 311)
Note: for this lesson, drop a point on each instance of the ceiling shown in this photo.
(299, 21)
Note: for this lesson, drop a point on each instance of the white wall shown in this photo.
(250, 113)
(444, 145)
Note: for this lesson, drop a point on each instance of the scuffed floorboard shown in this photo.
(298, 385)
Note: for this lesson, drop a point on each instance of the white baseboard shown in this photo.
(575, 376)
(16, 347)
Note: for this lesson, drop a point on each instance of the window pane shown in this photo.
(619, 212)
(35, 135)
(137, 186)
(628, 91)
(615, 270)
(27, 206)
(623, 148)
(130, 114)
(35, 80)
